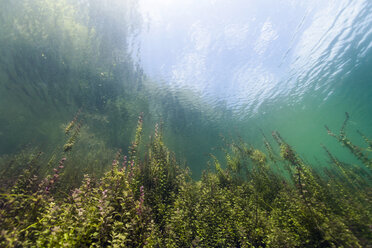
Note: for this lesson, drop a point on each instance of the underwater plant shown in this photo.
(345, 141)
(147, 199)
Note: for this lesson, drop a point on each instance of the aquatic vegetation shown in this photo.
(79, 191)
(149, 200)
(72, 123)
(71, 141)
(345, 141)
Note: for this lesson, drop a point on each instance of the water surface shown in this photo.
(272, 65)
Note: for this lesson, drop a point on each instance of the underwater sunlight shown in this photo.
(169, 123)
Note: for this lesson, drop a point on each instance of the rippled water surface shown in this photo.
(291, 66)
(185, 123)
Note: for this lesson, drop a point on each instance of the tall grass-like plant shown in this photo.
(147, 199)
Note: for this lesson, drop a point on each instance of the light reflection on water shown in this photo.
(287, 65)
(250, 52)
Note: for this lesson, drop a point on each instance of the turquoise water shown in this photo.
(287, 66)
(266, 105)
(203, 70)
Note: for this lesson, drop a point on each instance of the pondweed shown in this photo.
(147, 199)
